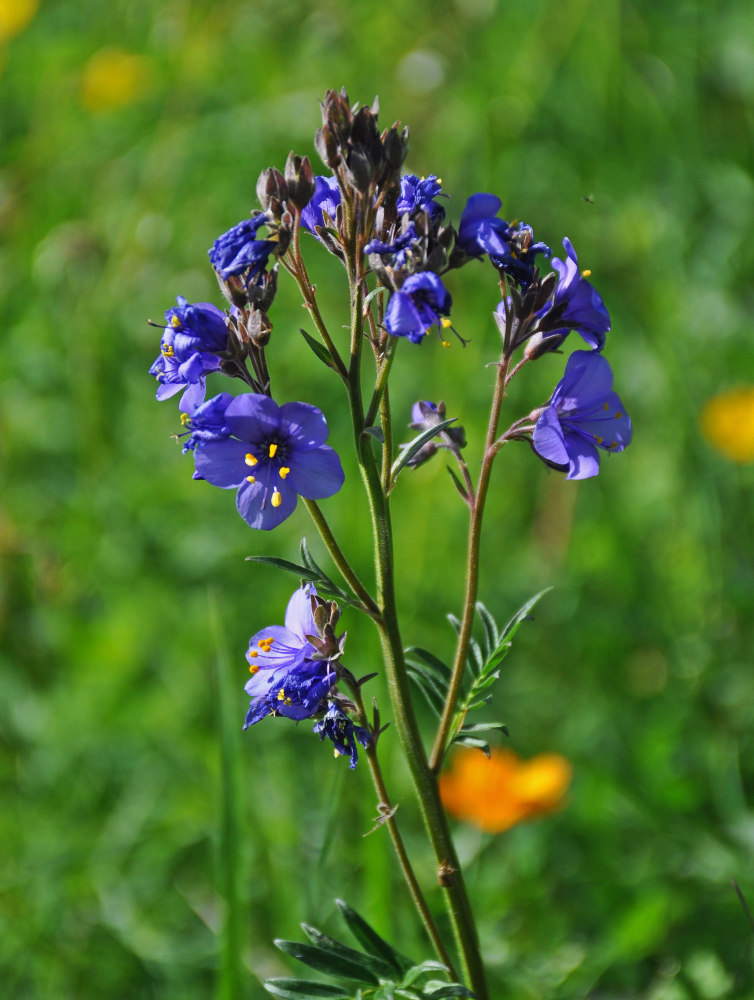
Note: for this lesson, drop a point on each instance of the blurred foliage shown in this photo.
(626, 126)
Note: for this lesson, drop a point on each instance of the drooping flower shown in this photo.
(206, 422)
(239, 251)
(288, 677)
(326, 198)
(728, 423)
(511, 249)
(426, 414)
(418, 195)
(496, 794)
(189, 348)
(272, 455)
(478, 217)
(584, 310)
(420, 304)
(584, 414)
(342, 733)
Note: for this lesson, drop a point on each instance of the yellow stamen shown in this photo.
(445, 323)
(276, 499)
(175, 322)
(167, 352)
(253, 654)
(282, 697)
(265, 642)
(185, 419)
(586, 273)
(605, 406)
(254, 668)
(251, 479)
(599, 440)
(273, 449)
(251, 459)
(618, 415)
(284, 470)
(614, 444)
(445, 343)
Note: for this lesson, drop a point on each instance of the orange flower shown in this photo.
(728, 423)
(496, 794)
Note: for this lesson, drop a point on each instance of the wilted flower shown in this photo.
(425, 414)
(288, 677)
(420, 304)
(239, 251)
(342, 733)
(728, 423)
(496, 794)
(206, 422)
(584, 414)
(189, 348)
(273, 455)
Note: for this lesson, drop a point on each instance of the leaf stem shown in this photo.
(369, 605)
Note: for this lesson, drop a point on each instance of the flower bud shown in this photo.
(299, 179)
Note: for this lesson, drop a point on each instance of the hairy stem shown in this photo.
(476, 512)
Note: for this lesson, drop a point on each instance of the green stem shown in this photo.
(368, 604)
(387, 817)
(425, 782)
(476, 511)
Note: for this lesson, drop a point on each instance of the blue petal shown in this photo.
(298, 614)
(284, 651)
(316, 474)
(303, 424)
(549, 442)
(254, 504)
(584, 457)
(221, 462)
(587, 377)
(253, 417)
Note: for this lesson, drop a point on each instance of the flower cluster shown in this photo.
(394, 234)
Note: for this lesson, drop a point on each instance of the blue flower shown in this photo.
(342, 733)
(189, 350)
(584, 310)
(479, 218)
(420, 304)
(272, 455)
(418, 194)
(326, 198)
(583, 415)
(288, 678)
(239, 251)
(206, 422)
(396, 250)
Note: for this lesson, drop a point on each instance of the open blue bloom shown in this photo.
(326, 198)
(188, 350)
(239, 250)
(420, 304)
(287, 677)
(418, 195)
(584, 311)
(342, 733)
(583, 415)
(272, 455)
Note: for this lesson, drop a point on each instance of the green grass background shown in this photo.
(126, 603)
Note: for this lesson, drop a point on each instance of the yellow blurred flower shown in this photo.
(14, 16)
(728, 423)
(113, 78)
(496, 794)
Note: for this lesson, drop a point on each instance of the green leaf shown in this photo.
(370, 940)
(409, 450)
(304, 989)
(473, 742)
(452, 990)
(291, 567)
(324, 960)
(491, 633)
(319, 349)
(379, 966)
(376, 432)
